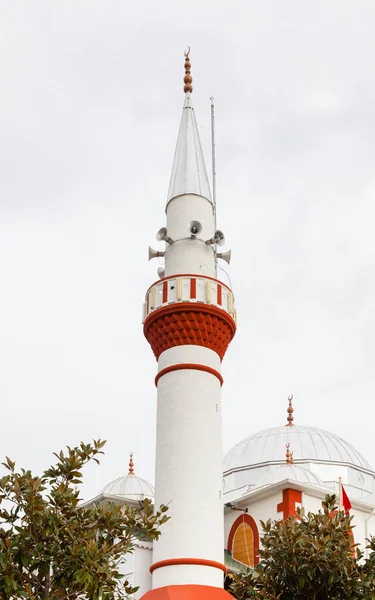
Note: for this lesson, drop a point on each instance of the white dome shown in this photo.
(130, 487)
(290, 471)
(308, 444)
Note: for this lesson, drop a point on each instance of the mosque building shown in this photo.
(189, 320)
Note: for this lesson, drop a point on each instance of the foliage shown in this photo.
(310, 557)
(50, 548)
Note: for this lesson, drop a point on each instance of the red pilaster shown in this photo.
(288, 505)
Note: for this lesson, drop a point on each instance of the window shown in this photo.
(243, 541)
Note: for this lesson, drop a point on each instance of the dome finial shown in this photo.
(131, 464)
(290, 418)
(289, 455)
(188, 80)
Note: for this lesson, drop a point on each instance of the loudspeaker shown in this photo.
(162, 236)
(154, 253)
(225, 256)
(195, 227)
(219, 237)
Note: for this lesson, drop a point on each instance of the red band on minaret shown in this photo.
(203, 562)
(193, 366)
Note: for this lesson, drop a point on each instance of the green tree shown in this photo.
(311, 557)
(50, 548)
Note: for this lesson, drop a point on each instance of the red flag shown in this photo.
(345, 500)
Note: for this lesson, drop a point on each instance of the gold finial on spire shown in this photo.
(290, 418)
(188, 80)
(289, 455)
(131, 464)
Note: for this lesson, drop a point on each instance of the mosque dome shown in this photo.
(130, 486)
(290, 471)
(309, 444)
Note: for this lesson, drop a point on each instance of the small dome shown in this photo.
(308, 443)
(290, 471)
(129, 487)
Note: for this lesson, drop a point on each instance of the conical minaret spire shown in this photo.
(189, 173)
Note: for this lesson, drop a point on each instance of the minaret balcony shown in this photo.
(189, 288)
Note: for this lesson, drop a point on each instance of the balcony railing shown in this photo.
(189, 288)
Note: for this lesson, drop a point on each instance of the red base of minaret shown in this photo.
(187, 592)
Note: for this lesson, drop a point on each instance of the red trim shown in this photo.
(187, 592)
(288, 505)
(219, 295)
(199, 275)
(203, 562)
(165, 292)
(189, 323)
(193, 288)
(253, 526)
(195, 367)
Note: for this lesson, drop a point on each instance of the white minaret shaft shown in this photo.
(189, 322)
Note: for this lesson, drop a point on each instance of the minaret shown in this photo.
(189, 321)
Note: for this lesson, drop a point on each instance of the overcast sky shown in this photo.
(90, 103)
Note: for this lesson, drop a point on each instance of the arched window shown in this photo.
(243, 540)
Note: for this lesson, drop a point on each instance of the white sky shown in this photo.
(89, 113)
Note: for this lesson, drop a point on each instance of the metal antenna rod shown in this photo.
(213, 156)
(213, 168)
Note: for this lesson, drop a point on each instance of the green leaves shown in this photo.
(52, 549)
(310, 557)
(9, 464)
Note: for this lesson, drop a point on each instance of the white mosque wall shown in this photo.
(329, 473)
(237, 494)
(265, 508)
(142, 563)
(370, 525)
(136, 568)
(359, 531)
(312, 503)
(127, 569)
(356, 481)
(249, 477)
(360, 481)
